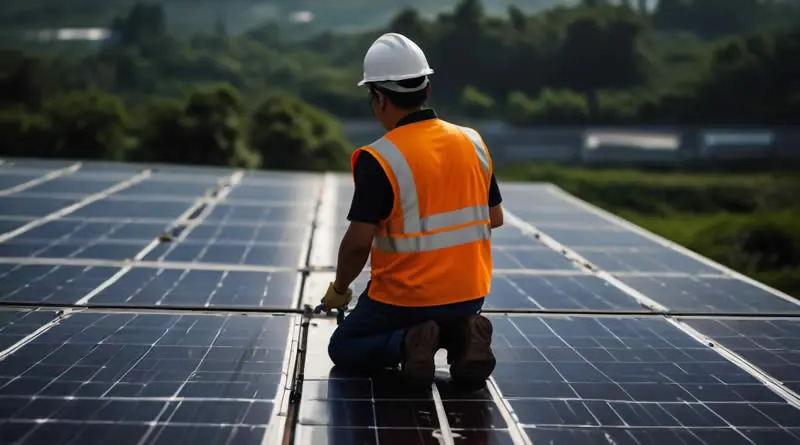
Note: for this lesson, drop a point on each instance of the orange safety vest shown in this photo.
(435, 246)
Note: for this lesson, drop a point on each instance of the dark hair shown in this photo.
(405, 101)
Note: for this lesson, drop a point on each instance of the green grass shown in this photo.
(749, 222)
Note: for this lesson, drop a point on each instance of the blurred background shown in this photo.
(682, 116)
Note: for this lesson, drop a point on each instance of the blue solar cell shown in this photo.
(162, 188)
(632, 374)
(295, 192)
(587, 292)
(262, 214)
(124, 208)
(703, 294)
(84, 231)
(9, 225)
(661, 259)
(14, 179)
(157, 377)
(545, 218)
(200, 288)
(52, 284)
(220, 233)
(585, 237)
(17, 205)
(112, 250)
(771, 345)
(16, 325)
(288, 255)
(530, 257)
(69, 184)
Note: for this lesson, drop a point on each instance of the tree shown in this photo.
(293, 135)
(205, 130)
(88, 124)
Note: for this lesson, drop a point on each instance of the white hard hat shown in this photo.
(395, 57)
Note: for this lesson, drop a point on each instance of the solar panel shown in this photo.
(16, 205)
(662, 259)
(151, 378)
(709, 294)
(118, 250)
(262, 214)
(86, 231)
(51, 284)
(161, 188)
(202, 288)
(577, 238)
(260, 254)
(529, 257)
(220, 232)
(196, 372)
(9, 179)
(634, 375)
(71, 185)
(131, 208)
(576, 292)
(771, 345)
(16, 325)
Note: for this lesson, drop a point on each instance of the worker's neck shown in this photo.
(401, 114)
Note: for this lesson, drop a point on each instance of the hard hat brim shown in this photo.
(367, 80)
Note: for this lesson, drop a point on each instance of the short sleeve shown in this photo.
(373, 197)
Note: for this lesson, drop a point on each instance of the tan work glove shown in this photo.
(335, 300)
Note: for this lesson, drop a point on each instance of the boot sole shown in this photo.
(421, 344)
(478, 361)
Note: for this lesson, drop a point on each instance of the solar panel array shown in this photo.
(164, 304)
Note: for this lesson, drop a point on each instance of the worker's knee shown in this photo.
(335, 349)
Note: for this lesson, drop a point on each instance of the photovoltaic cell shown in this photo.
(593, 238)
(771, 345)
(111, 250)
(587, 292)
(287, 191)
(722, 294)
(554, 217)
(16, 325)
(9, 225)
(262, 254)
(16, 205)
(221, 233)
(201, 288)
(51, 284)
(85, 231)
(161, 379)
(71, 185)
(289, 214)
(637, 376)
(12, 180)
(647, 260)
(176, 188)
(529, 257)
(130, 208)
(338, 407)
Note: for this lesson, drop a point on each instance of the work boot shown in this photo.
(420, 345)
(472, 360)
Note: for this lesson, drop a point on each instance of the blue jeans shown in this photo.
(371, 336)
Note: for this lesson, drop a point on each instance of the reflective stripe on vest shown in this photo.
(413, 224)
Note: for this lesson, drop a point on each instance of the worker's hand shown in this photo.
(335, 300)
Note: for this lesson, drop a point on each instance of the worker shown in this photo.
(424, 205)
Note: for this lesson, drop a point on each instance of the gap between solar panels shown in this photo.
(771, 382)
